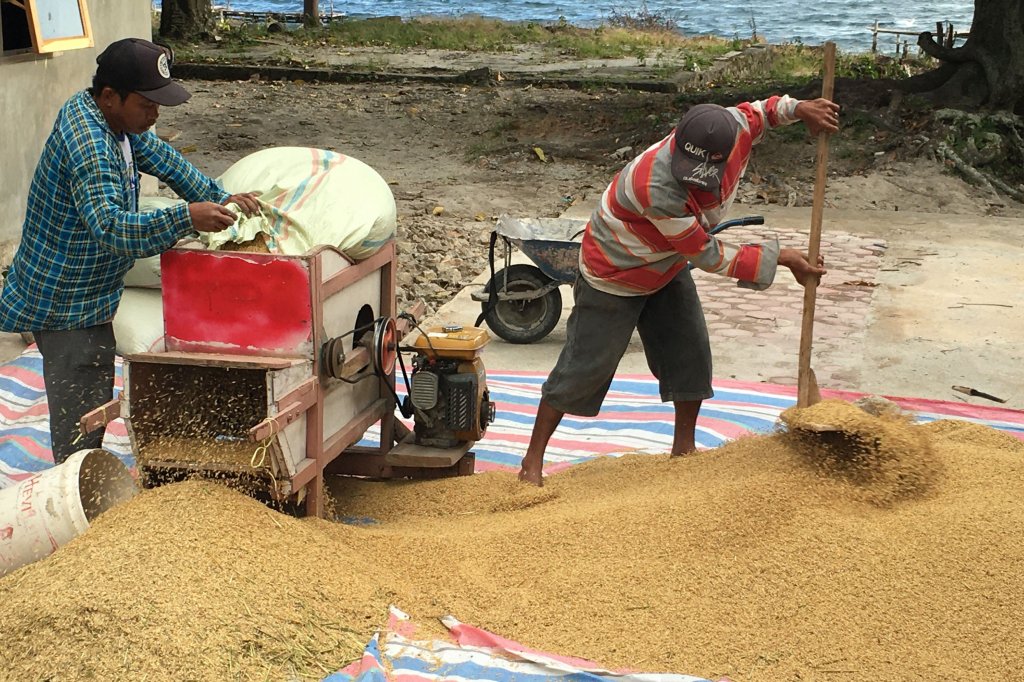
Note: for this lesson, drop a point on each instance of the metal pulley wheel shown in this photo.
(384, 349)
(332, 356)
(382, 345)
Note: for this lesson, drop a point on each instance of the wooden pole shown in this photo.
(807, 389)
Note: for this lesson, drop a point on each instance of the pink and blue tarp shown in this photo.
(633, 419)
(469, 653)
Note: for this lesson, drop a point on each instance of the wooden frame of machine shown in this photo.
(276, 366)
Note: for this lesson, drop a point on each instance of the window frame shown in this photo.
(47, 46)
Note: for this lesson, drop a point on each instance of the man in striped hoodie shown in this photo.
(652, 221)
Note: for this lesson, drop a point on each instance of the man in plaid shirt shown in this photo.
(83, 229)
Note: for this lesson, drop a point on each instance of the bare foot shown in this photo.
(684, 453)
(534, 476)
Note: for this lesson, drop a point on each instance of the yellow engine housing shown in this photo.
(452, 341)
(449, 386)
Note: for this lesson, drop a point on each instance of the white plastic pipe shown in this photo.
(53, 507)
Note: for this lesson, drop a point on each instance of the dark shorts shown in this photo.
(673, 332)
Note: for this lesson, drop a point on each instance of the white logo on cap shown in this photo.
(703, 171)
(162, 67)
(696, 151)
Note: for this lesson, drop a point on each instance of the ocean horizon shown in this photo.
(780, 21)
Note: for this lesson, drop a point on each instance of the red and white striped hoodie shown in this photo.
(648, 225)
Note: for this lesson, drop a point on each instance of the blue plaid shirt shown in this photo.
(81, 234)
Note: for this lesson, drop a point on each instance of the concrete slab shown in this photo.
(913, 304)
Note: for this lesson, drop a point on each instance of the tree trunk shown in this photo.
(311, 12)
(988, 70)
(184, 19)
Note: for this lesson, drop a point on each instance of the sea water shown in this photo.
(777, 21)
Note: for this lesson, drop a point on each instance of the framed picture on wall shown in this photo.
(57, 25)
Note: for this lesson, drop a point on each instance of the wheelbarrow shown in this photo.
(521, 303)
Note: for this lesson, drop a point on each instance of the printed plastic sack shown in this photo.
(139, 321)
(310, 197)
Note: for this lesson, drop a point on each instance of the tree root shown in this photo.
(926, 41)
(976, 176)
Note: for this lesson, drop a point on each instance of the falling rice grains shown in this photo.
(883, 458)
(762, 560)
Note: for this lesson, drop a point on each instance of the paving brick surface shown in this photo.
(769, 321)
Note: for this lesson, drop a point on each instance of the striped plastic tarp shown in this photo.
(25, 421)
(633, 419)
(472, 654)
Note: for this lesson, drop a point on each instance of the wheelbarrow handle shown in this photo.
(748, 220)
(737, 222)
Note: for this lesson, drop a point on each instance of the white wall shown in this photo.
(31, 93)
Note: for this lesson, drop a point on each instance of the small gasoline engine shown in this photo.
(448, 396)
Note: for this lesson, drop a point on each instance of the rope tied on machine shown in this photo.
(259, 455)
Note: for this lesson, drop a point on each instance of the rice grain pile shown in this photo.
(750, 561)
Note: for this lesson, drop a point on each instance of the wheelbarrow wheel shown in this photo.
(523, 321)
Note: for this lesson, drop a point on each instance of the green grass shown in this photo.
(476, 34)
(801, 63)
(649, 38)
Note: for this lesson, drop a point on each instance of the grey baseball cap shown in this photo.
(705, 136)
(143, 67)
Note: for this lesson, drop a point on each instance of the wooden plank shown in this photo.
(332, 262)
(315, 498)
(203, 467)
(369, 465)
(215, 360)
(359, 462)
(409, 454)
(289, 408)
(898, 31)
(400, 430)
(403, 326)
(386, 384)
(305, 471)
(339, 281)
(100, 417)
(355, 362)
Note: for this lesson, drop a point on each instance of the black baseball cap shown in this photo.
(705, 137)
(142, 67)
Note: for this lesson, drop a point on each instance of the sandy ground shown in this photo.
(945, 306)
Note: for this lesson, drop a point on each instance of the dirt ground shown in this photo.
(458, 155)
